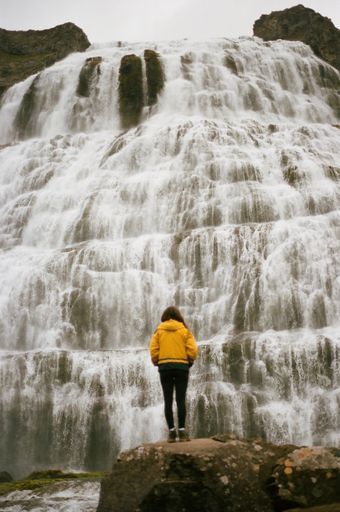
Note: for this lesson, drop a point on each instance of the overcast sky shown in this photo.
(142, 20)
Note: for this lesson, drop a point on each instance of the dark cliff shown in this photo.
(302, 24)
(23, 53)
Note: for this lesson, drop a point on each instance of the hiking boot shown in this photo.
(172, 436)
(183, 435)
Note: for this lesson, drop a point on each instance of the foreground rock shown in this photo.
(222, 474)
(23, 53)
(302, 24)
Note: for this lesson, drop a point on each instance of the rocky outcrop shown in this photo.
(300, 23)
(88, 75)
(222, 473)
(23, 53)
(131, 98)
(133, 93)
(154, 75)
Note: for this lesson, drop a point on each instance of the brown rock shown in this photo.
(302, 24)
(23, 53)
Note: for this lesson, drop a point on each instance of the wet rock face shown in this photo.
(130, 90)
(302, 24)
(23, 53)
(221, 473)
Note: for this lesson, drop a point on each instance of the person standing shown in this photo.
(173, 349)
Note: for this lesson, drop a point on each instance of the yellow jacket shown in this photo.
(172, 342)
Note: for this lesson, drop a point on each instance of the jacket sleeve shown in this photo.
(191, 347)
(154, 348)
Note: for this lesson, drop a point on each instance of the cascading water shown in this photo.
(224, 200)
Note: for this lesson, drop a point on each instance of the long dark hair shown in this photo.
(172, 313)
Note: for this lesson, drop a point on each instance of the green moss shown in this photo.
(154, 75)
(46, 478)
(130, 91)
(87, 75)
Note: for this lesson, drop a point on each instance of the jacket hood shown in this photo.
(171, 325)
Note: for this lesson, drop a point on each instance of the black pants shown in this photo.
(177, 379)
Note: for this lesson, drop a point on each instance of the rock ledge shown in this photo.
(222, 473)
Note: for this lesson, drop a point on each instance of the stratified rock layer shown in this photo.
(221, 473)
(23, 53)
(302, 24)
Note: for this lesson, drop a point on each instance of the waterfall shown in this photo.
(223, 199)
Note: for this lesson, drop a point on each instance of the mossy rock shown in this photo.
(154, 76)
(89, 72)
(131, 99)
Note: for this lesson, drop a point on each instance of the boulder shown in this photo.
(300, 23)
(221, 473)
(25, 52)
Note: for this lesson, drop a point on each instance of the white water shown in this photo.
(224, 200)
(62, 497)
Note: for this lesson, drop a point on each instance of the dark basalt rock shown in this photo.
(302, 24)
(89, 72)
(221, 473)
(154, 75)
(23, 53)
(131, 100)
